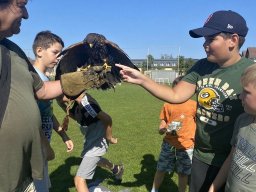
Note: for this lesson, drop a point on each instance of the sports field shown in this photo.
(135, 116)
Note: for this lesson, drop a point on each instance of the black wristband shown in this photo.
(65, 138)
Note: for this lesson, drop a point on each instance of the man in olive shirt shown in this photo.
(20, 147)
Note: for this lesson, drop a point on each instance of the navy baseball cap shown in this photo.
(221, 21)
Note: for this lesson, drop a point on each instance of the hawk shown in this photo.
(89, 64)
(96, 57)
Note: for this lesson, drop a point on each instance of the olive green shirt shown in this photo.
(218, 106)
(20, 147)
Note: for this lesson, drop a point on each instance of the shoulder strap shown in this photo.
(5, 80)
(15, 48)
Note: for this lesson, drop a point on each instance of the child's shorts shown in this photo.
(87, 167)
(171, 158)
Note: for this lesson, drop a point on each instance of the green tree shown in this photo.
(181, 64)
(184, 64)
(188, 64)
(150, 61)
(144, 65)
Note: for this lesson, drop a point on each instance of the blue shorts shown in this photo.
(171, 158)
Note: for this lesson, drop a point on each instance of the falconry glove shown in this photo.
(74, 83)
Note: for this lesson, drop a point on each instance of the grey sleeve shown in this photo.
(244, 120)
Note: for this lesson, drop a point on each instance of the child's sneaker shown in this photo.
(120, 172)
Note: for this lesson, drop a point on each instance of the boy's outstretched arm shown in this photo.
(180, 93)
(221, 178)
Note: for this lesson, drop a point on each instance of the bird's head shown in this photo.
(92, 38)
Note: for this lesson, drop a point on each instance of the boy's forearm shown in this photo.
(59, 131)
(56, 124)
(63, 135)
(155, 89)
(168, 94)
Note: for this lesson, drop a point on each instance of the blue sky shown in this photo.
(139, 27)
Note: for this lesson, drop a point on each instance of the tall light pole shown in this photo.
(179, 61)
(147, 59)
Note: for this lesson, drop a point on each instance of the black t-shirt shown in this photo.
(86, 112)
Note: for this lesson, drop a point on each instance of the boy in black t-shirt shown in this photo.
(94, 123)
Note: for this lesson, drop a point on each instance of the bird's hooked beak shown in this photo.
(91, 45)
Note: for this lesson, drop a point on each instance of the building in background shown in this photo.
(250, 53)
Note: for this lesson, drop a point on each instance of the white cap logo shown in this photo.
(229, 26)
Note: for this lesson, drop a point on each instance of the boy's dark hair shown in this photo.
(45, 39)
(177, 80)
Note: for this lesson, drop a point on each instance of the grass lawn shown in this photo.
(135, 115)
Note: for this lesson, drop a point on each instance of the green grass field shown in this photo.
(135, 115)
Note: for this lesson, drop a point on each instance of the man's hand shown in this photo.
(74, 83)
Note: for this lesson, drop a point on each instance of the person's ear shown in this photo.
(234, 40)
(39, 51)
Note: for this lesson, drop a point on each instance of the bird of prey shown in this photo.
(96, 53)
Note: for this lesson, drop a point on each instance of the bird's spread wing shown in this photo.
(119, 56)
(71, 59)
(102, 57)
